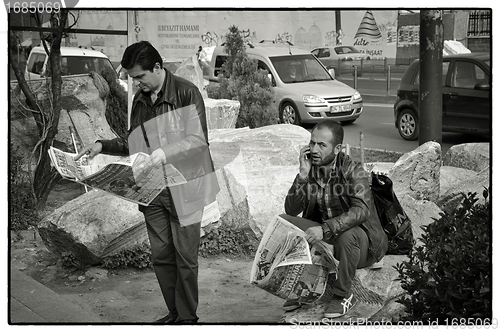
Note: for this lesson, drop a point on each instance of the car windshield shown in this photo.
(346, 50)
(72, 65)
(300, 68)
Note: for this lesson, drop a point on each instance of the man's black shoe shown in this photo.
(187, 321)
(168, 319)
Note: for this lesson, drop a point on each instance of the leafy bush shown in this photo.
(450, 276)
(23, 213)
(226, 240)
(223, 240)
(138, 257)
(242, 80)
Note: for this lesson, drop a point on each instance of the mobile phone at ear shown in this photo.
(308, 156)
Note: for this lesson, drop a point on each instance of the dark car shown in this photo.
(466, 96)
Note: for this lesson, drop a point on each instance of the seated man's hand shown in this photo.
(314, 234)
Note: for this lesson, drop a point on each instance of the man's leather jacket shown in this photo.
(355, 195)
(177, 124)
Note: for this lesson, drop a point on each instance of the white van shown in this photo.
(74, 60)
(306, 96)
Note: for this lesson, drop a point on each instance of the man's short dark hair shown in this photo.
(335, 128)
(143, 54)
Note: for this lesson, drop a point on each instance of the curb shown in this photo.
(385, 99)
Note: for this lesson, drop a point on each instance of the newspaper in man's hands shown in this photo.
(117, 175)
(286, 266)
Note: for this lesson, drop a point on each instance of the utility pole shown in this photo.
(431, 75)
(338, 28)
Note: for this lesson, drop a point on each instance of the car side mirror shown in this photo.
(483, 86)
(332, 72)
(270, 76)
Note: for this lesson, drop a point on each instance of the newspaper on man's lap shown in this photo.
(286, 266)
(117, 175)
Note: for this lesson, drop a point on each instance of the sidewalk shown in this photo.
(30, 302)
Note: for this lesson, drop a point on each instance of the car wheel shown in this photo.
(289, 114)
(408, 125)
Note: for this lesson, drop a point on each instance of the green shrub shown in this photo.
(226, 240)
(23, 213)
(138, 257)
(449, 277)
(242, 80)
(221, 241)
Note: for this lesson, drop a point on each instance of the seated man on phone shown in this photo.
(334, 196)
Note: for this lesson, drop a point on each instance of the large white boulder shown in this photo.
(421, 213)
(416, 173)
(269, 165)
(83, 228)
(472, 156)
(463, 182)
(190, 70)
(221, 113)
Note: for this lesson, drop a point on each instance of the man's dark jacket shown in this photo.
(351, 182)
(177, 124)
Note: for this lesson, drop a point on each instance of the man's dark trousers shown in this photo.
(350, 249)
(175, 257)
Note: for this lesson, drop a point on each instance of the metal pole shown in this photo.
(355, 77)
(361, 148)
(431, 69)
(388, 80)
(338, 27)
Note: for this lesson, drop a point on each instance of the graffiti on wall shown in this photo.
(210, 39)
(284, 38)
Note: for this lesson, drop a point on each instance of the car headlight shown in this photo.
(356, 95)
(311, 99)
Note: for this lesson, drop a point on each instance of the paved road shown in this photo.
(377, 124)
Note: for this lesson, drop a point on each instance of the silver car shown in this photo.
(342, 58)
(304, 91)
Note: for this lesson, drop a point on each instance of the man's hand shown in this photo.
(157, 158)
(314, 234)
(305, 161)
(142, 170)
(91, 151)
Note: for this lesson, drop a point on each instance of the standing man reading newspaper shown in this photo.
(168, 122)
(333, 194)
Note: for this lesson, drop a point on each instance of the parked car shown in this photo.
(307, 96)
(74, 60)
(340, 58)
(466, 88)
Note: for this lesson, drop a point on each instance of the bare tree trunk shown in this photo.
(45, 176)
